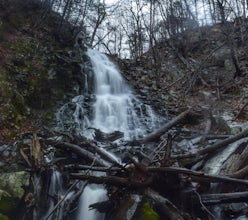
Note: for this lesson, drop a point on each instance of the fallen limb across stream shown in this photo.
(87, 150)
(114, 180)
(78, 150)
(194, 175)
(158, 133)
(214, 147)
(197, 176)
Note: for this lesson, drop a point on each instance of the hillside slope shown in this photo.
(206, 66)
(36, 66)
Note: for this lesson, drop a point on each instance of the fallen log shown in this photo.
(240, 111)
(102, 152)
(105, 159)
(75, 167)
(240, 173)
(212, 148)
(196, 175)
(114, 180)
(78, 150)
(158, 133)
(213, 199)
(215, 136)
(235, 163)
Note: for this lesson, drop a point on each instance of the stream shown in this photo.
(113, 107)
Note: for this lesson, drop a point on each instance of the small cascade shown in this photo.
(55, 189)
(92, 194)
(56, 192)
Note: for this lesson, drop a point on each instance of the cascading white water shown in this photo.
(92, 194)
(114, 108)
(56, 194)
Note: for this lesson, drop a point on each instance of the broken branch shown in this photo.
(158, 133)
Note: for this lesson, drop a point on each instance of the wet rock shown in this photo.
(235, 127)
(9, 150)
(102, 137)
(235, 209)
(222, 54)
(3, 148)
(6, 153)
(222, 125)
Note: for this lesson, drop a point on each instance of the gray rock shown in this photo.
(6, 153)
(3, 148)
(222, 54)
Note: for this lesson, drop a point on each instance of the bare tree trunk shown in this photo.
(101, 16)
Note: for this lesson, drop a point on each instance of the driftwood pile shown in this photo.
(174, 185)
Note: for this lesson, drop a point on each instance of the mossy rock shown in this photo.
(145, 211)
(13, 183)
(148, 213)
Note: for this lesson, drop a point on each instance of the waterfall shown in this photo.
(114, 106)
(110, 106)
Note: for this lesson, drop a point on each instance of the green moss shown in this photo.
(8, 99)
(37, 75)
(144, 211)
(148, 213)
